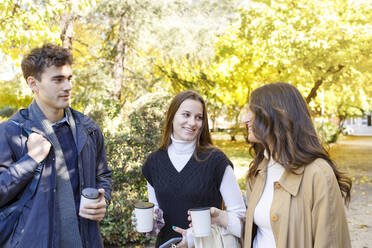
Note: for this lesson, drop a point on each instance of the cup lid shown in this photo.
(199, 209)
(90, 193)
(143, 205)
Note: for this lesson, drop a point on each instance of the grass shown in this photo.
(237, 151)
(356, 161)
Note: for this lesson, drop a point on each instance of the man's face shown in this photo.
(54, 87)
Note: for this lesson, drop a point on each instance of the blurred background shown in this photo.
(132, 56)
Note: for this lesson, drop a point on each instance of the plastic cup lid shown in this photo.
(199, 209)
(90, 193)
(144, 205)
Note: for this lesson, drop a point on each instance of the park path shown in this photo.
(353, 155)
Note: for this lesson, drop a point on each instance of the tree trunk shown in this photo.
(319, 82)
(341, 124)
(67, 30)
(313, 93)
(213, 119)
(121, 50)
(118, 69)
(235, 130)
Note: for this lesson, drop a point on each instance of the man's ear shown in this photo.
(32, 83)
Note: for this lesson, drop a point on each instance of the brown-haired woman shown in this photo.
(295, 191)
(189, 172)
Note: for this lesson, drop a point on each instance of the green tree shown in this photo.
(309, 44)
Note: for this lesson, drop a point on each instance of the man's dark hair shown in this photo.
(39, 59)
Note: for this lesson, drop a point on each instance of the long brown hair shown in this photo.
(282, 118)
(203, 140)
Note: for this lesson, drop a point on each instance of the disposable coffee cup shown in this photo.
(88, 196)
(145, 216)
(201, 221)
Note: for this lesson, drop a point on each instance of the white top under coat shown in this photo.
(180, 153)
(265, 236)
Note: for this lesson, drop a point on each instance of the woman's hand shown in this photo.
(158, 222)
(183, 243)
(218, 217)
(134, 220)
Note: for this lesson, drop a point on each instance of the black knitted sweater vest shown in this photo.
(196, 185)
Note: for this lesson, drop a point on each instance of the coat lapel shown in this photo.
(253, 199)
(78, 131)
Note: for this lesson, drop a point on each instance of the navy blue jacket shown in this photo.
(38, 226)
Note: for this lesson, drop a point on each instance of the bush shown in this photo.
(328, 132)
(7, 111)
(126, 153)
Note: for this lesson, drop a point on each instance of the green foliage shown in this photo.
(27, 23)
(126, 152)
(14, 94)
(311, 44)
(7, 111)
(328, 132)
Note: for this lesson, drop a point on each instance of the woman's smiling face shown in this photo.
(188, 120)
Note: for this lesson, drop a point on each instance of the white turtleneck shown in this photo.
(265, 236)
(180, 153)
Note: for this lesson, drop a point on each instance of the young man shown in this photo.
(71, 145)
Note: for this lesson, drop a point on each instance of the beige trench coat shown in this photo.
(307, 209)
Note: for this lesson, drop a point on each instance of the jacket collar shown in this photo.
(32, 117)
(289, 181)
(64, 119)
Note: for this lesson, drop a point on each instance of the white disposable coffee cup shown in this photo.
(201, 221)
(145, 216)
(88, 196)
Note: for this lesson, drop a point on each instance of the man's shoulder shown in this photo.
(85, 120)
(9, 124)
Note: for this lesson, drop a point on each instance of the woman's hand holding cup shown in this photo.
(143, 217)
(218, 217)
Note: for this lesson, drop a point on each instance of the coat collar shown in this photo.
(32, 117)
(289, 181)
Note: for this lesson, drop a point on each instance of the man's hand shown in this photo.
(95, 211)
(38, 147)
